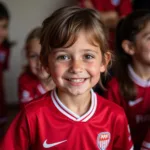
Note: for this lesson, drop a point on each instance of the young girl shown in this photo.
(131, 86)
(34, 81)
(4, 57)
(71, 117)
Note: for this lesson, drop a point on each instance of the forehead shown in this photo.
(82, 39)
(34, 46)
(82, 42)
(145, 31)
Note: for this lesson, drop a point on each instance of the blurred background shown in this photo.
(25, 15)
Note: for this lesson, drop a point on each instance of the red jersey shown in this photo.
(138, 110)
(29, 87)
(146, 142)
(47, 123)
(122, 7)
(4, 55)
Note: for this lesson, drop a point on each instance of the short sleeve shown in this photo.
(17, 137)
(123, 139)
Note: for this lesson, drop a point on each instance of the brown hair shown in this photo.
(127, 29)
(34, 34)
(63, 26)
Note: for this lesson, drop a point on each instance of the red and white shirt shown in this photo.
(29, 87)
(146, 142)
(46, 123)
(4, 57)
(138, 110)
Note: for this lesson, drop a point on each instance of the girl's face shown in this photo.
(142, 46)
(3, 29)
(34, 49)
(75, 70)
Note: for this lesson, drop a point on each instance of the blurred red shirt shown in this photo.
(29, 87)
(138, 110)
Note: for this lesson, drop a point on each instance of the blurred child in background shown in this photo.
(34, 81)
(130, 88)
(110, 12)
(72, 116)
(5, 46)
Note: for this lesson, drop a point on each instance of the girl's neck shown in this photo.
(142, 70)
(48, 84)
(78, 104)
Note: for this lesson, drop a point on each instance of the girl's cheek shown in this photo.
(57, 70)
(94, 68)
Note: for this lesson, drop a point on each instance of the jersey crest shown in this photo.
(103, 140)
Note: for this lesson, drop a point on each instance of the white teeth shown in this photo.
(76, 80)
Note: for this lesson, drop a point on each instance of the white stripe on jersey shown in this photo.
(89, 112)
(132, 148)
(94, 109)
(67, 112)
(146, 144)
(64, 107)
(59, 108)
(136, 79)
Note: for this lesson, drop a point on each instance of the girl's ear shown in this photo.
(128, 47)
(106, 60)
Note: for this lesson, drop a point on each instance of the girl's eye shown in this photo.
(33, 56)
(63, 57)
(89, 56)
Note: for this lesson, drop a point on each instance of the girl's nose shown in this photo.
(76, 66)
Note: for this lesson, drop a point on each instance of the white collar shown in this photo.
(136, 79)
(68, 113)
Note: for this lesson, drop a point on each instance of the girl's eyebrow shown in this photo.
(59, 50)
(66, 50)
(89, 50)
(146, 34)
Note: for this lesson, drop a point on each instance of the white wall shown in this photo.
(25, 15)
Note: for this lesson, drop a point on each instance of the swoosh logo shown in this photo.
(45, 145)
(132, 103)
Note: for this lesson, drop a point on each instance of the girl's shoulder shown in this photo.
(42, 102)
(26, 77)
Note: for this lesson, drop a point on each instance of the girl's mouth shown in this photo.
(76, 81)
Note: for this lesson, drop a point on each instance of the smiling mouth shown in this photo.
(76, 81)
